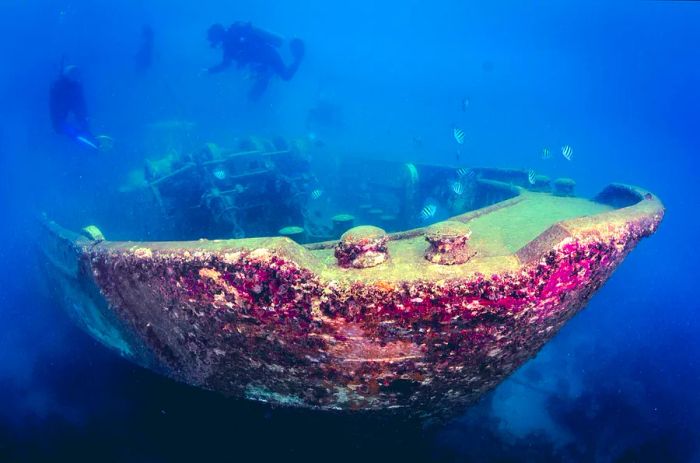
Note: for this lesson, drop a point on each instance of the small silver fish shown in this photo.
(464, 172)
(219, 173)
(428, 211)
(546, 153)
(457, 188)
(568, 152)
(531, 176)
(459, 135)
(316, 194)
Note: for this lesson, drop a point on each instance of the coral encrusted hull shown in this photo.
(271, 320)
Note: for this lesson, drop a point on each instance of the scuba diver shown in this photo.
(68, 111)
(257, 49)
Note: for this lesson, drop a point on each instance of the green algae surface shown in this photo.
(496, 237)
(505, 231)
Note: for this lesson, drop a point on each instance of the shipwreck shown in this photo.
(359, 314)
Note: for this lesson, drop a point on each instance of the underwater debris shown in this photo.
(219, 192)
(540, 183)
(564, 187)
(362, 247)
(448, 243)
(293, 232)
(342, 223)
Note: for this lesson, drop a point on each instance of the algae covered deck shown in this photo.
(496, 237)
(506, 230)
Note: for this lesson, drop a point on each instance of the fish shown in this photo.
(546, 153)
(219, 173)
(465, 103)
(568, 152)
(317, 193)
(531, 176)
(459, 135)
(464, 172)
(457, 188)
(428, 211)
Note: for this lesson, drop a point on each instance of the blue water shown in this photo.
(619, 83)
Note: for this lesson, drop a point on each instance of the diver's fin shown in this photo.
(87, 142)
(104, 142)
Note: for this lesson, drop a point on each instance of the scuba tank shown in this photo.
(246, 29)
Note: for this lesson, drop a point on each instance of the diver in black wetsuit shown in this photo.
(257, 49)
(68, 111)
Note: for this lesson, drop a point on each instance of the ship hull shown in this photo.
(270, 320)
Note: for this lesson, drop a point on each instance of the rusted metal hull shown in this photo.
(273, 321)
